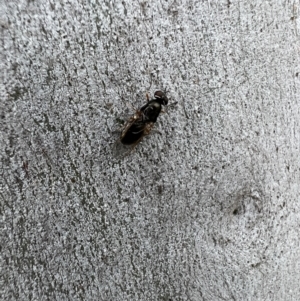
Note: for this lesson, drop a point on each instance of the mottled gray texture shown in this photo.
(206, 209)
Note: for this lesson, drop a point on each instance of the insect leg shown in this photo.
(147, 96)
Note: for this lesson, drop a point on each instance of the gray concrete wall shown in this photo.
(206, 209)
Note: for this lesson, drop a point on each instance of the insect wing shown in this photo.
(134, 129)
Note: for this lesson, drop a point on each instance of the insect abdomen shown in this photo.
(133, 134)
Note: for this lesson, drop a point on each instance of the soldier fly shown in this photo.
(141, 123)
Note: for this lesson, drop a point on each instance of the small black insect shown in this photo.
(141, 123)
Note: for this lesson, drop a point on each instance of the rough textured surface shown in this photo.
(206, 210)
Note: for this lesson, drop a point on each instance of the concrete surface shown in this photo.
(207, 207)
